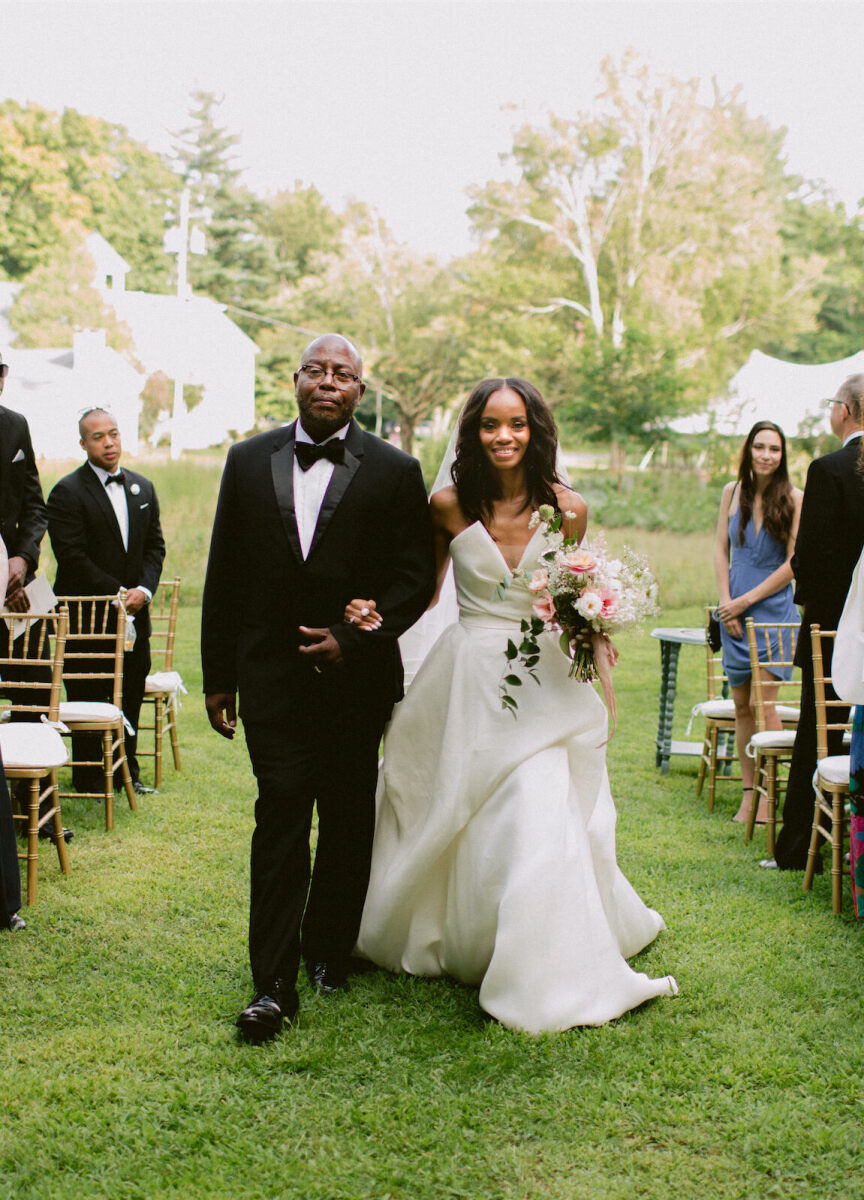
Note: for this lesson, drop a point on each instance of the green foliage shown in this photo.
(60, 172)
(625, 392)
(653, 213)
(677, 501)
(239, 267)
(59, 297)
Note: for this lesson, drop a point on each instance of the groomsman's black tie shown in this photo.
(308, 453)
(118, 478)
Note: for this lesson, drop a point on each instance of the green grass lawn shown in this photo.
(122, 1077)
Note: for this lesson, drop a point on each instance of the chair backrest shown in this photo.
(163, 624)
(36, 657)
(717, 683)
(96, 640)
(772, 648)
(820, 639)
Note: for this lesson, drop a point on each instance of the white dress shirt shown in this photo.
(116, 494)
(310, 486)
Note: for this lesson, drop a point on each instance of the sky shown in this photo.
(406, 104)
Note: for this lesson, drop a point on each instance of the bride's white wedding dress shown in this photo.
(494, 857)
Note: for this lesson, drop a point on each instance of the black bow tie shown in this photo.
(308, 453)
(118, 478)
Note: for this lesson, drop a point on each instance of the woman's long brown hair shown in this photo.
(778, 508)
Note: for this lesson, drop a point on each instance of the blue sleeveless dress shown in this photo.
(758, 558)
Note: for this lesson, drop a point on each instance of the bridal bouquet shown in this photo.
(578, 591)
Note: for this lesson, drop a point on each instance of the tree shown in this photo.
(399, 307)
(302, 229)
(59, 298)
(239, 266)
(59, 172)
(655, 213)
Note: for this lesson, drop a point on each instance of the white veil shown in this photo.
(417, 641)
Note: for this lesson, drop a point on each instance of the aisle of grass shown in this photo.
(122, 1077)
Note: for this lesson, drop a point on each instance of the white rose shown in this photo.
(589, 605)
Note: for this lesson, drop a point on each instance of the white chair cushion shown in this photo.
(776, 739)
(27, 744)
(833, 770)
(718, 709)
(787, 712)
(88, 710)
(164, 681)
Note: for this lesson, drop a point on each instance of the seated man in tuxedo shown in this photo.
(310, 516)
(105, 533)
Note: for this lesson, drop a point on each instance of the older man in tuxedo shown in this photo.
(309, 517)
(106, 535)
(830, 537)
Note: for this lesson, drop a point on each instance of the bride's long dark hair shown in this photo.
(778, 507)
(477, 485)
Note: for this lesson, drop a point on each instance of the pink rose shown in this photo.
(539, 581)
(610, 603)
(580, 562)
(544, 608)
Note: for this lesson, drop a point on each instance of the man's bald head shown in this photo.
(324, 344)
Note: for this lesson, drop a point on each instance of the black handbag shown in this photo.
(712, 633)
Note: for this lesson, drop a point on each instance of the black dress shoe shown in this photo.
(141, 789)
(47, 834)
(328, 976)
(16, 922)
(262, 1019)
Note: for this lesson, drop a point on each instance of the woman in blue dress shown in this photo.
(758, 520)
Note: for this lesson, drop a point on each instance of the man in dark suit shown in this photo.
(105, 533)
(309, 517)
(23, 519)
(830, 537)
(22, 510)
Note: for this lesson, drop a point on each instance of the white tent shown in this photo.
(769, 389)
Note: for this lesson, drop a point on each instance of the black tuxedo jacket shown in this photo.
(88, 545)
(23, 516)
(830, 538)
(373, 539)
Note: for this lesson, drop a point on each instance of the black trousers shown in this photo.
(327, 755)
(10, 876)
(136, 667)
(793, 841)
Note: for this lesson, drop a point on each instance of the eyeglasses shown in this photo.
(834, 400)
(341, 377)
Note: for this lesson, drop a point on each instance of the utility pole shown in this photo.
(178, 240)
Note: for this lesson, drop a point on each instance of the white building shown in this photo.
(189, 339)
(52, 387)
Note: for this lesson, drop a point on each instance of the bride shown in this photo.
(494, 854)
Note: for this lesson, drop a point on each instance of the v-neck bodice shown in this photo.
(479, 567)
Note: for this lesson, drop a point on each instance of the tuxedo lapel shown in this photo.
(137, 520)
(96, 489)
(282, 470)
(343, 473)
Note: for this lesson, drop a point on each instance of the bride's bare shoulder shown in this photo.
(446, 511)
(444, 502)
(570, 501)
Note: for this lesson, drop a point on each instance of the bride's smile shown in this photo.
(504, 429)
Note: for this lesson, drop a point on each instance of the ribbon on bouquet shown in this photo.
(605, 657)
